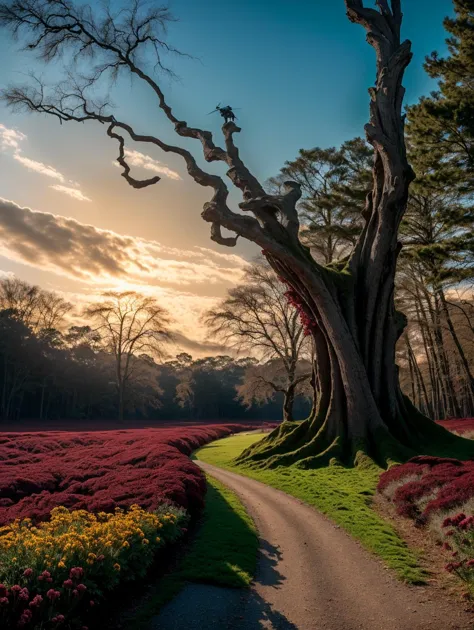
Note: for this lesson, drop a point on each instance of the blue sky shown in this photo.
(298, 70)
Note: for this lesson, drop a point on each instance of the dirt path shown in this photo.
(311, 576)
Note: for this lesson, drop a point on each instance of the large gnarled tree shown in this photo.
(349, 311)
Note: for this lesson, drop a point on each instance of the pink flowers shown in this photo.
(52, 594)
(76, 573)
(36, 601)
(459, 425)
(456, 520)
(46, 576)
(467, 523)
(427, 485)
(58, 619)
(98, 472)
(102, 470)
(24, 595)
(449, 480)
(25, 618)
(453, 566)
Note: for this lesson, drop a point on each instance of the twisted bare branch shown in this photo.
(126, 168)
(121, 41)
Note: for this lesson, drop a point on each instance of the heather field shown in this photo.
(98, 471)
(438, 495)
(81, 513)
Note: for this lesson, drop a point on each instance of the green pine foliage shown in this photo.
(445, 119)
(438, 226)
(335, 183)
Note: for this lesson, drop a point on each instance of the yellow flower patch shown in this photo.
(104, 543)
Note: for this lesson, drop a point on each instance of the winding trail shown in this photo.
(311, 576)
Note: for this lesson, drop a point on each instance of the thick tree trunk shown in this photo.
(349, 308)
(288, 403)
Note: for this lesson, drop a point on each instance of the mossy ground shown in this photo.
(343, 494)
(223, 552)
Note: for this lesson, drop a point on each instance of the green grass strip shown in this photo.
(343, 494)
(224, 553)
(225, 549)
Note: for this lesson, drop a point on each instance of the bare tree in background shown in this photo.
(38, 309)
(257, 317)
(263, 381)
(349, 308)
(129, 325)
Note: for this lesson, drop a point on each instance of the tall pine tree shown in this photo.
(438, 226)
(334, 184)
(445, 119)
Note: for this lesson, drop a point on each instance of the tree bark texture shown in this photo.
(349, 308)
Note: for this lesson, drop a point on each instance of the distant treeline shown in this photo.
(50, 372)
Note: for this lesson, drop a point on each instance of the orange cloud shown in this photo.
(83, 252)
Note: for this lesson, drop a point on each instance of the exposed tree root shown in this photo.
(296, 443)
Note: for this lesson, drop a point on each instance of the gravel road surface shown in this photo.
(311, 576)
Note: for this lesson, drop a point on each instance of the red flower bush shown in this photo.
(434, 491)
(21, 608)
(461, 534)
(442, 484)
(98, 471)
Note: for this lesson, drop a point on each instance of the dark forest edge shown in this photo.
(53, 372)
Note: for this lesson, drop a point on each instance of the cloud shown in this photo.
(10, 139)
(135, 158)
(197, 347)
(39, 167)
(186, 310)
(101, 257)
(72, 192)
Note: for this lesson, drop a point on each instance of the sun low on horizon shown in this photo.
(70, 223)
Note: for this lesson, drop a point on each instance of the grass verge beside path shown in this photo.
(343, 494)
(223, 553)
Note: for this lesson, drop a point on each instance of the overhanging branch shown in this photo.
(120, 41)
(126, 168)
